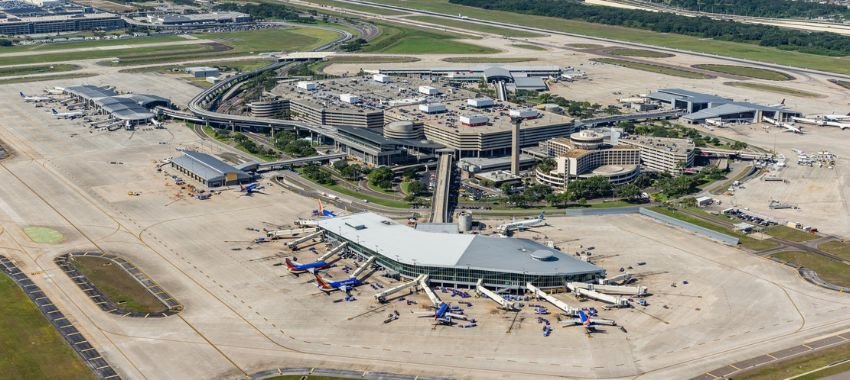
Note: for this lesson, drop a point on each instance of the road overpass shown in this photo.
(440, 200)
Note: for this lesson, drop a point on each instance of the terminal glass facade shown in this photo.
(462, 277)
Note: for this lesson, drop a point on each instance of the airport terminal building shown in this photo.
(457, 260)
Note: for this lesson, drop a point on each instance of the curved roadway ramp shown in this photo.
(78, 342)
(440, 201)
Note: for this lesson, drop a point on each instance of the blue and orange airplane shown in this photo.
(294, 267)
(344, 285)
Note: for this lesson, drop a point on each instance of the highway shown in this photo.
(600, 39)
(440, 200)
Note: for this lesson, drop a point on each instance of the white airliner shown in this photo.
(67, 115)
(34, 98)
(837, 117)
(54, 91)
(522, 224)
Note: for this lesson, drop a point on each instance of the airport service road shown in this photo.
(243, 314)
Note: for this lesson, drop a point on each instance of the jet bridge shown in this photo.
(333, 251)
(614, 300)
(294, 244)
(554, 301)
(637, 291)
(382, 296)
(505, 304)
(362, 268)
(290, 233)
(431, 295)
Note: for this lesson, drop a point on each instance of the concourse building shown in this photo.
(457, 260)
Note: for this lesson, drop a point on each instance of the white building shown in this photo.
(309, 86)
(381, 78)
(474, 120)
(480, 102)
(428, 90)
(525, 113)
(349, 98)
(433, 108)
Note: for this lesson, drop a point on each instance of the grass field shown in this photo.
(529, 47)
(31, 347)
(488, 60)
(46, 78)
(585, 46)
(475, 27)
(116, 284)
(790, 234)
(88, 44)
(836, 248)
(626, 52)
(775, 89)
(395, 39)
(676, 41)
(744, 71)
(799, 365)
(361, 196)
(829, 270)
(41, 69)
(672, 71)
(43, 235)
(240, 65)
(301, 38)
(746, 241)
(357, 7)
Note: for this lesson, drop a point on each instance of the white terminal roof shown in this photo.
(409, 246)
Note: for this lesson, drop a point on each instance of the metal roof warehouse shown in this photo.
(208, 170)
(457, 259)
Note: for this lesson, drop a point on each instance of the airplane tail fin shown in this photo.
(542, 215)
(321, 207)
(289, 263)
(782, 102)
(54, 111)
(22, 94)
(321, 282)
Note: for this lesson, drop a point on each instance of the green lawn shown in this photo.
(746, 241)
(672, 71)
(41, 69)
(836, 248)
(357, 7)
(43, 235)
(53, 56)
(88, 44)
(775, 89)
(790, 234)
(829, 270)
(45, 78)
(488, 60)
(266, 40)
(626, 52)
(240, 65)
(396, 39)
(369, 197)
(676, 41)
(31, 347)
(371, 59)
(801, 364)
(529, 47)
(118, 285)
(745, 71)
(475, 27)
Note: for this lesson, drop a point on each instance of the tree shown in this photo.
(628, 191)
(415, 187)
(506, 188)
(351, 172)
(340, 165)
(381, 177)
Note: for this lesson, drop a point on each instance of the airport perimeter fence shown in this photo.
(338, 373)
(101, 368)
(711, 234)
(106, 304)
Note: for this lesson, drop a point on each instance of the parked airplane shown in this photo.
(54, 91)
(34, 98)
(837, 117)
(442, 314)
(251, 189)
(778, 105)
(156, 124)
(294, 267)
(585, 321)
(344, 285)
(325, 213)
(522, 224)
(67, 115)
(791, 128)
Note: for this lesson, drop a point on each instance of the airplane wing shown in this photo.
(456, 316)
